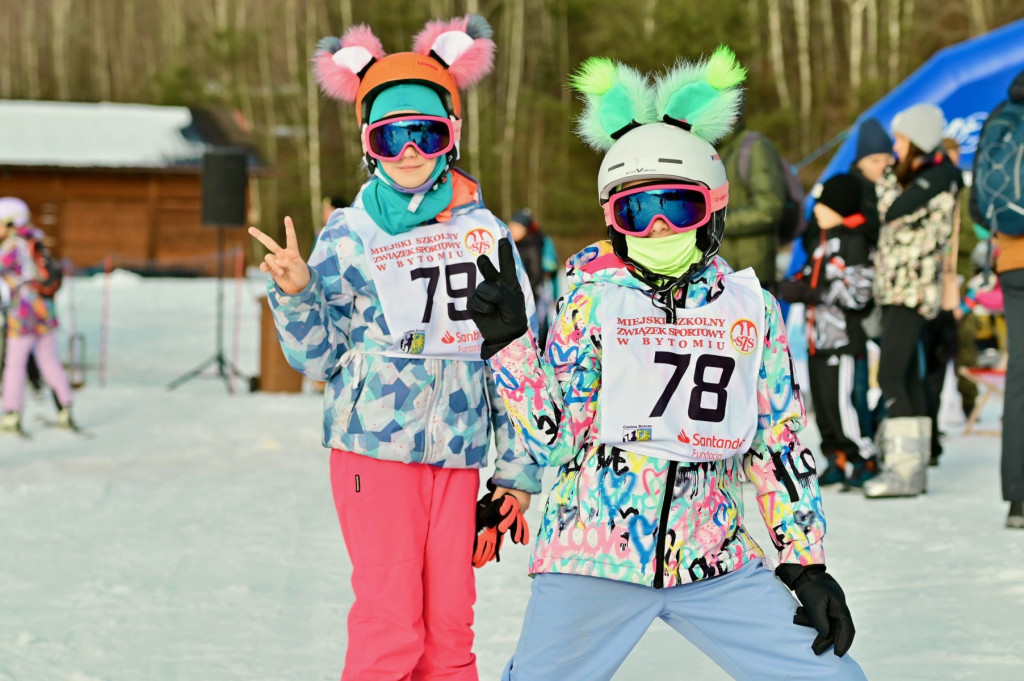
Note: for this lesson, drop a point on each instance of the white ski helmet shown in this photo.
(14, 211)
(662, 129)
(660, 150)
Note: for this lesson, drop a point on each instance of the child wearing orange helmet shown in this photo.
(379, 313)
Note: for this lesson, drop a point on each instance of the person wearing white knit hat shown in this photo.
(921, 125)
(915, 201)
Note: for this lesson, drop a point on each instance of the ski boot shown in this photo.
(10, 422)
(1015, 519)
(862, 472)
(905, 444)
(64, 419)
(835, 474)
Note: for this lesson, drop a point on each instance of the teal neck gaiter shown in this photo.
(669, 256)
(390, 208)
(394, 209)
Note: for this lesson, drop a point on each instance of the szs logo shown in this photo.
(412, 342)
(479, 241)
(743, 335)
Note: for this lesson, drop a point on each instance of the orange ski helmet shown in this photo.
(446, 56)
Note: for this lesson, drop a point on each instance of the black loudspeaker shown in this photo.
(224, 182)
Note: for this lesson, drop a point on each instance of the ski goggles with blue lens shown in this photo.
(684, 206)
(387, 139)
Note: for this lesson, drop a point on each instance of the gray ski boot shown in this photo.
(905, 444)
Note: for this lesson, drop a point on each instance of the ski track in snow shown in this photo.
(194, 536)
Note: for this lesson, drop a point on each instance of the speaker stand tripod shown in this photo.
(225, 369)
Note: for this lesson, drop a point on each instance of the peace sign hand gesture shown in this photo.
(498, 306)
(285, 265)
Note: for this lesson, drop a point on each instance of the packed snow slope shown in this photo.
(193, 535)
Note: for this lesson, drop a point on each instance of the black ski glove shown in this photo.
(498, 306)
(823, 606)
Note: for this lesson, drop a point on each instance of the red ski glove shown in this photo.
(485, 547)
(505, 514)
(495, 517)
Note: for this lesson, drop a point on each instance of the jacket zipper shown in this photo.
(666, 507)
(670, 484)
(431, 406)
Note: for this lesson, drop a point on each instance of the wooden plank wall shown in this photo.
(145, 221)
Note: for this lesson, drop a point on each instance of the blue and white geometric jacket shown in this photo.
(414, 410)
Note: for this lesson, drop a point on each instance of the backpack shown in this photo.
(793, 222)
(49, 273)
(999, 170)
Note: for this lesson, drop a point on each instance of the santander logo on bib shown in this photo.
(479, 241)
(683, 437)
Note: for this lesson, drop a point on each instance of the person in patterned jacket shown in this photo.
(379, 313)
(31, 321)
(916, 200)
(666, 382)
(835, 285)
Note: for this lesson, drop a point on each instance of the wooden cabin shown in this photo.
(120, 181)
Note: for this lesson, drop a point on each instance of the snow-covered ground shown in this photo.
(194, 536)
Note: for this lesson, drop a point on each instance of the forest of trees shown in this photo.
(814, 65)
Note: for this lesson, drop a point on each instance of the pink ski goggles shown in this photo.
(431, 136)
(682, 205)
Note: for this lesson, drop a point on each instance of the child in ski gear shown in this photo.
(31, 319)
(379, 313)
(916, 202)
(667, 378)
(835, 285)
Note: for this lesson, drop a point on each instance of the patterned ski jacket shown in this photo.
(434, 411)
(29, 313)
(650, 521)
(840, 271)
(916, 225)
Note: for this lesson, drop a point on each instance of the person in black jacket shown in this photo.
(874, 155)
(916, 201)
(835, 285)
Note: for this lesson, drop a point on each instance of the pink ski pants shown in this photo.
(16, 369)
(409, 532)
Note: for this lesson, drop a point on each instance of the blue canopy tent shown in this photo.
(966, 81)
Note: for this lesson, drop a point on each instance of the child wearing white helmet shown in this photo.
(666, 380)
(379, 313)
(31, 319)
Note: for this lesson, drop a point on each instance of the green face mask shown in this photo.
(670, 255)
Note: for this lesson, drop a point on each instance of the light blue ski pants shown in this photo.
(580, 628)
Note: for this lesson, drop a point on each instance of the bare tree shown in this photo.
(802, 20)
(871, 16)
(473, 109)
(29, 49)
(856, 45)
(313, 124)
(649, 9)
(977, 13)
(777, 55)
(895, 24)
(515, 68)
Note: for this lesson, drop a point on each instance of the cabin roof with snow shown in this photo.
(115, 136)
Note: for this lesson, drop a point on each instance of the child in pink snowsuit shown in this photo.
(379, 313)
(30, 319)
